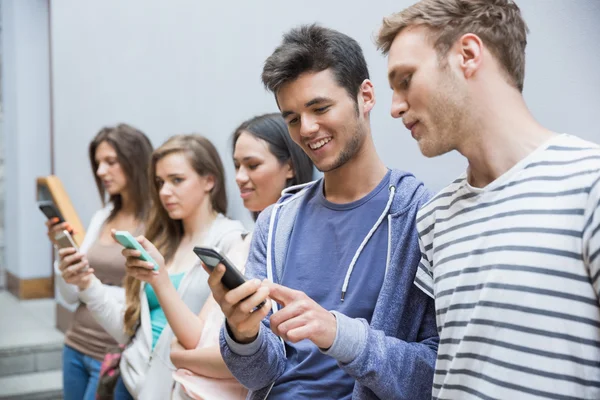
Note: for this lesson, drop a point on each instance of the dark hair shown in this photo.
(272, 129)
(313, 48)
(133, 150)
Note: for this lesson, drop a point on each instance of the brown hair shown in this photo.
(133, 150)
(498, 23)
(163, 231)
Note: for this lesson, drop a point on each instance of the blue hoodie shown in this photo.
(394, 357)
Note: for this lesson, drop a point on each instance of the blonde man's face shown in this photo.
(430, 97)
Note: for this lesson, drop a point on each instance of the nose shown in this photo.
(241, 176)
(101, 170)
(399, 105)
(165, 190)
(308, 126)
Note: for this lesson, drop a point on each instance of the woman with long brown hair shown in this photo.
(189, 207)
(119, 158)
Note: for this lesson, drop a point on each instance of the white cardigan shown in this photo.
(147, 373)
(68, 295)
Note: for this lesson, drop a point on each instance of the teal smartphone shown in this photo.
(129, 242)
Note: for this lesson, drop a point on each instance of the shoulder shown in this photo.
(567, 152)
(101, 215)
(226, 232)
(441, 200)
(410, 192)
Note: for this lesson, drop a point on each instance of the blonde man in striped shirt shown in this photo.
(510, 249)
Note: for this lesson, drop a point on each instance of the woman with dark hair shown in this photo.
(119, 157)
(267, 161)
(188, 209)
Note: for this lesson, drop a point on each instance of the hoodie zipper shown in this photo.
(374, 228)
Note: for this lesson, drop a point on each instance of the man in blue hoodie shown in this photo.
(337, 257)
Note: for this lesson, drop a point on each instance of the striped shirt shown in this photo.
(514, 270)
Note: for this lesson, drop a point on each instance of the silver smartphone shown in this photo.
(64, 240)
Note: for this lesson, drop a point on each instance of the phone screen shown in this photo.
(211, 262)
(50, 210)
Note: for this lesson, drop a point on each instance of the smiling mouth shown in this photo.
(319, 144)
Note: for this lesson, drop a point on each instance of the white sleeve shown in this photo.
(424, 276)
(107, 305)
(68, 293)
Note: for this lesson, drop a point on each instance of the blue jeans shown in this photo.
(80, 375)
(121, 392)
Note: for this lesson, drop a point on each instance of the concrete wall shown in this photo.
(194, 66)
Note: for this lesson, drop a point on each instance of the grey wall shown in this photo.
(194, 66)
(26, 130)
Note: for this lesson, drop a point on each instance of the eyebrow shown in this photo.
(112, 158)
(247, 158)
(396, 71)
(316, 100)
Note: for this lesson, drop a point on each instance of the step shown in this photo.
(28, 340)
(34, 386)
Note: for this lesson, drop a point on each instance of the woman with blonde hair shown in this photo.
(189, 207)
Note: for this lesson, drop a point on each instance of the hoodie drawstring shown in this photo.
(392, 189)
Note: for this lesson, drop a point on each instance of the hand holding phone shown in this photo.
(129, 242)
(74, 267)
(211, 257)
(241, 300)
(50, 210)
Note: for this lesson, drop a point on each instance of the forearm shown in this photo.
(186, 325)
(204, 362)
(390, 367)
(69, 293)
(106, 306)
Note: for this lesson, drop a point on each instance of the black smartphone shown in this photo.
(211, 257)
(50, 211)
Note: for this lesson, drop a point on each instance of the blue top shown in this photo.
(341, 230)
(393, 356)
(157, 315)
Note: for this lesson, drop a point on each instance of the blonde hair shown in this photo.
(498, 23)
(164, 232)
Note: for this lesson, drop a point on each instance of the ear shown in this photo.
(289, 173)
(470, 52)
(209, 183)
(366, 96)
